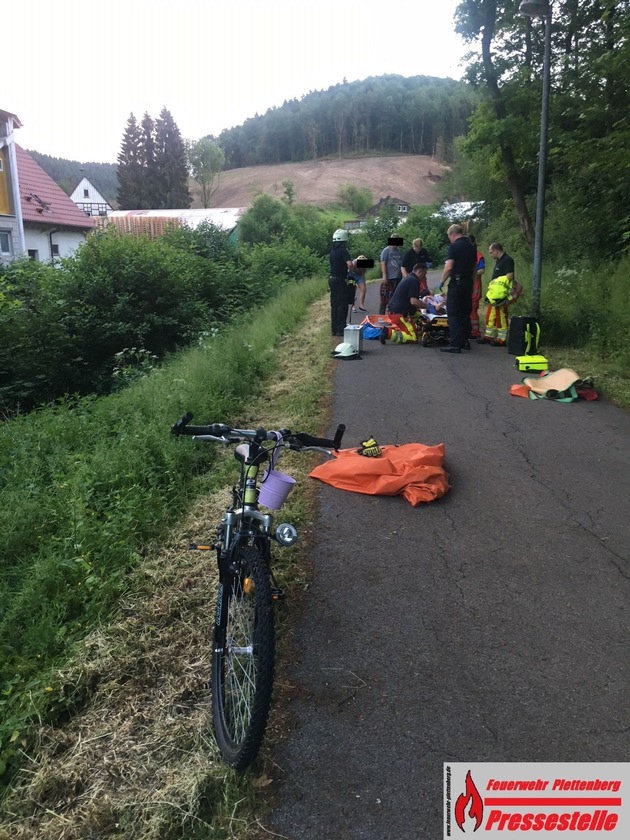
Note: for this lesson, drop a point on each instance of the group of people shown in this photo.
(404, 290)
(463, 270)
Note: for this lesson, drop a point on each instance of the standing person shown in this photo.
(459, 270)
(391, 260)
(357, 274)
(416, 254)
(340, 265)
(403, 305)
(503, 290)
(475, 332)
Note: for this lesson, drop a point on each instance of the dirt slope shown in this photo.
(410, 177)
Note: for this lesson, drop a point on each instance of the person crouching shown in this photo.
(403, 306)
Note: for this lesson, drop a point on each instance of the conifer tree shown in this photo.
(149, 193)
(170, 164)
(130, 167)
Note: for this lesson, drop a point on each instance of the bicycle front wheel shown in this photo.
(243, 659)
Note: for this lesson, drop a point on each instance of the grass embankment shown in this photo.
(105, 627)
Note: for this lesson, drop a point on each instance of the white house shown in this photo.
(37, 218)
(89, 199)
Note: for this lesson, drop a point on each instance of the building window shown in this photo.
(86, 193)
(33, 255)
(55, 249)
(5, 243)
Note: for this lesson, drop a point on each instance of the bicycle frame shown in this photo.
(243, 650)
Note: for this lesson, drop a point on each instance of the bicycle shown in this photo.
(243, 648)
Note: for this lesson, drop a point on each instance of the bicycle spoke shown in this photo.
(242, 668)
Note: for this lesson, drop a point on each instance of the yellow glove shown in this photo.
(369, 448)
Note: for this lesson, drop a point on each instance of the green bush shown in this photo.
(37, 357)
(206, 240)
(265, 220)
(357, 199)
(271, 266)
(311, 228)
(63, 330)
(123, 291)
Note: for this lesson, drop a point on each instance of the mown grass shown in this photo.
(87, 485)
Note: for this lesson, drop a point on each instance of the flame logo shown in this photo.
(476, 805)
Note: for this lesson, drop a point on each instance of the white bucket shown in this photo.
(274, 489)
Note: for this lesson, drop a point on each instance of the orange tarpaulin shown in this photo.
(412, 470)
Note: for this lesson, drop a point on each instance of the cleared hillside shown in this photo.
(414, 178)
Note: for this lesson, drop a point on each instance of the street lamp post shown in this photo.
(540, 8)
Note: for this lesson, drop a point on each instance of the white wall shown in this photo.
(38, 239)
(93, 196)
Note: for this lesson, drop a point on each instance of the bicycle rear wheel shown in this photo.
(243, 659)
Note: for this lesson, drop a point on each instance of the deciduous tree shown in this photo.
(206, 160)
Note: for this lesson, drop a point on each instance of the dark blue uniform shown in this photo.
(338, 285)
(460, 289)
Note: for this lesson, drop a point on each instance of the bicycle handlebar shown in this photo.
(226, 434)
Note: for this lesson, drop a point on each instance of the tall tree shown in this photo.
(206, 160)
(130, 167)
(149, 192)
(588, 165)
(478, 19)
(170, 164)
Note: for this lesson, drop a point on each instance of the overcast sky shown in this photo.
(74, 70)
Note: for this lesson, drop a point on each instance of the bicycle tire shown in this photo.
(243, 659)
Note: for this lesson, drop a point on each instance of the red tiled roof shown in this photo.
(43, 202)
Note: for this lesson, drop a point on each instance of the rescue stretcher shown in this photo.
(433, 328)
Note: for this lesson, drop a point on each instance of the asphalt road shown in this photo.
(492, 625)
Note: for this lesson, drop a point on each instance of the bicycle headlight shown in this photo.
(286, 534)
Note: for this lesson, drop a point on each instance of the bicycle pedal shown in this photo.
(277, 594)
(198, 547)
